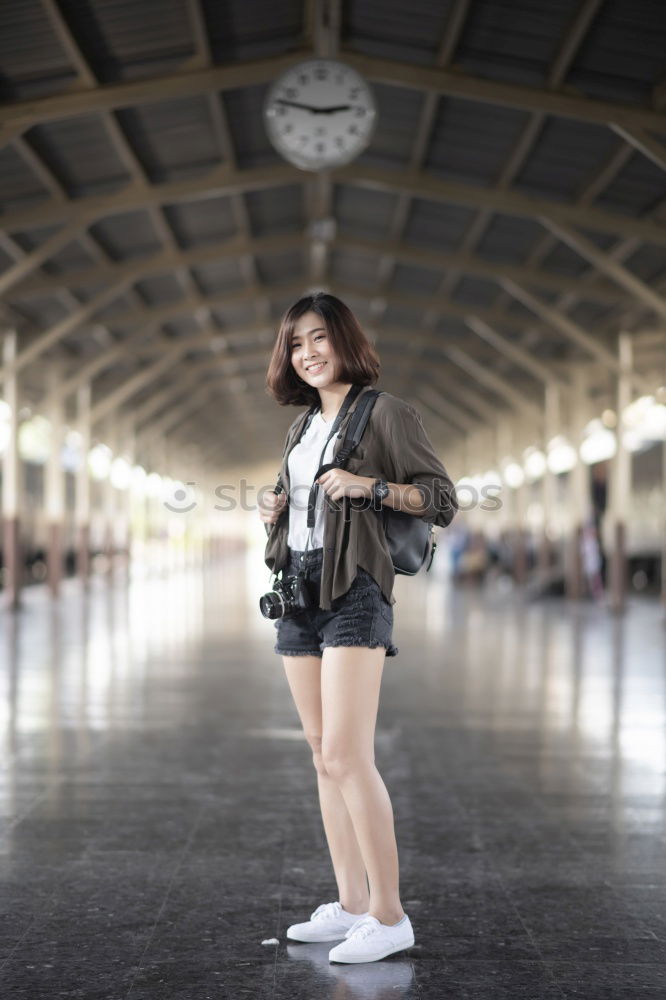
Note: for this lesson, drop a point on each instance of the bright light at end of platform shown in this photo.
(562, 455)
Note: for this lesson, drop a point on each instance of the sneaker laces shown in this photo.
(326, 911)
(363, 927)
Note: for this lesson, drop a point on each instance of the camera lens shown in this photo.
(271, 605)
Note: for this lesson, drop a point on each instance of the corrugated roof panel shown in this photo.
(252, 29)
(80, 154)
(274, 269)
(509, 238)
(362, 211)
(73, 257)
(513, 40)
(563, 260)
(88, 292)
(172, 139)
(622, 56)
(588, 313)
(182, 327)
(471, 141)
(392, 29)
(280, 303)
(516, 308)
(565, 158)
(274, 210)
(19, 187)
(648, 262)
(436, 224)
(408, 278)
(124, 40)
(244, 113)
(637, 189)
(450, 327)
(407, 317)
(34, 238)
(44, 310)
(120, 305)
(130, 234)
(229, 316)
(218, 276)
(201, 221)
(356, 268)
(160, 289)
(398, 115)
(602, 240)
(476, 291)
(33, 61)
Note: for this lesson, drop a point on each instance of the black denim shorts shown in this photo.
(360, 617)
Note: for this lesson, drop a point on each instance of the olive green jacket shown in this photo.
(395, 447)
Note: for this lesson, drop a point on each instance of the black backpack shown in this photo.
(410, 539)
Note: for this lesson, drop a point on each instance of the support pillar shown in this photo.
(54, 494)
(620, 483)
(551, 428)
(82, 512)
(580, 491)
(12, 482)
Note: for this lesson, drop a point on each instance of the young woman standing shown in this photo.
(333, 652)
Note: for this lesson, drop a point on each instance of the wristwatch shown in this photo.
(379, 491)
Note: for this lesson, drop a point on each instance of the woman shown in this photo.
(333, 651)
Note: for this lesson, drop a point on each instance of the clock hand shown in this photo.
(332, 110)
(315, 111)
(295, 104)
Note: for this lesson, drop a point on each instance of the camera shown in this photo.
(289, 596)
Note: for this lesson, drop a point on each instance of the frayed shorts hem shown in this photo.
(297, 652)
(364, 644)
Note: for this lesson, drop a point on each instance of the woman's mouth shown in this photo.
(315, 369)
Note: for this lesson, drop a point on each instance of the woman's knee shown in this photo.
(340, 762)
(315, 742)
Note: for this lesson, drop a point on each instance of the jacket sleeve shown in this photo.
(414, 461)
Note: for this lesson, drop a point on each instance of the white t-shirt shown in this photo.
(303, 463)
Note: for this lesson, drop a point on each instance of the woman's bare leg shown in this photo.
(304, 677)
(350, 683)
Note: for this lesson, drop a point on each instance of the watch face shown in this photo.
(320, 113)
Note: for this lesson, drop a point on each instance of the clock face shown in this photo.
(320, 113)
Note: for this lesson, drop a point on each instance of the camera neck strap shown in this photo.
(352, 393)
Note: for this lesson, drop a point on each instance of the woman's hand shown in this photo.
(338, 483)
(271, 506)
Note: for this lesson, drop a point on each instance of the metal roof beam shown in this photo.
(425, 186)
(644, 143)
(514, 352)
(436, 260)
(225, 181)
(130, 387)
(604, 262)
(231, 76)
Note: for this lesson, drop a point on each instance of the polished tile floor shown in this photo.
(160, 824)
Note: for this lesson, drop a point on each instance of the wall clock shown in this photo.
(320, 113)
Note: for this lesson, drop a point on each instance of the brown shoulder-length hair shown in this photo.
(359, 362)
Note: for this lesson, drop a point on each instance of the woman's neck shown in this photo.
(331, 399)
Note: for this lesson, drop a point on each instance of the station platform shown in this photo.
(160, 822)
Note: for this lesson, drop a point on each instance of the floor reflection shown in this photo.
(160, 817)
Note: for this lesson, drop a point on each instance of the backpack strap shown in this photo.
(354, 432)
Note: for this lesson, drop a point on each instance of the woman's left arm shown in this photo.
(422, 487)
(419, 484)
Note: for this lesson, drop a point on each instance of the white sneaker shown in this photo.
(369, 940)
(328, 922)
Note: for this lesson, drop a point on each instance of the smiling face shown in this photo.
(312, 353)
